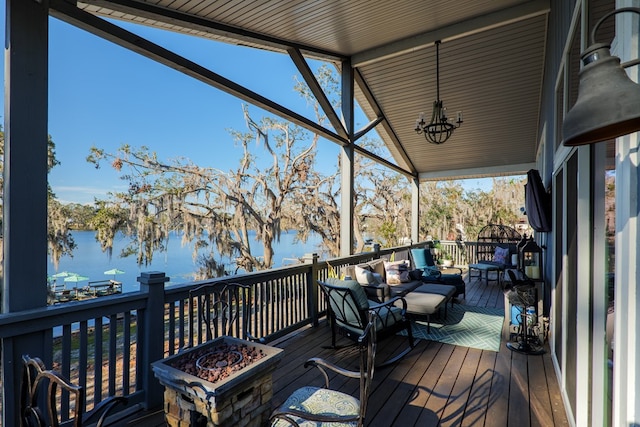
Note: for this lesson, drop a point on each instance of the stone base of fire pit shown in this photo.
(251, 409)
(241, 399)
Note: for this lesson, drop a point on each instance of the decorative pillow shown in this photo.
(397, 272)
(501, 255)
(377, 266)
(364, 276)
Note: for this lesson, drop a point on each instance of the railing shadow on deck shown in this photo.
(107, 344)
(471, 402)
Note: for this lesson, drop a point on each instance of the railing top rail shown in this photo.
(43, 318)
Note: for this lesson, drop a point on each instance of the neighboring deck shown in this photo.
(436, 384)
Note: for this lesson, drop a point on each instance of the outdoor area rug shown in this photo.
(467, 326)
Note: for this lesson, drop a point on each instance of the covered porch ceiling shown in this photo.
(491, 65)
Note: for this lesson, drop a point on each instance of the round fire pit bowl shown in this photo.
(219, 362)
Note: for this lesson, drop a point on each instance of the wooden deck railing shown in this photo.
(107, 344)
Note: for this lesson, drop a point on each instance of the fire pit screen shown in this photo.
(223, 382)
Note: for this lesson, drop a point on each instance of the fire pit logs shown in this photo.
(217, 363)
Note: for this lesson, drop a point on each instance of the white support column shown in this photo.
(415, 210)
(346, 162)
(626, 345)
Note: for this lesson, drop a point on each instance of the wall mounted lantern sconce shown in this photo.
(608, 104)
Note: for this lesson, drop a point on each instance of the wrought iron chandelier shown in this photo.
(439, 129)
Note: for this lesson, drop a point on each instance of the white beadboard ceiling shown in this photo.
(491, 64)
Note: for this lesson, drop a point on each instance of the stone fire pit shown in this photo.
(223, 382)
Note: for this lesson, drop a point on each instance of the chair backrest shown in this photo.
(41, 386)
(62, 400)
(423, 259)
(347, 301)
(221, 309)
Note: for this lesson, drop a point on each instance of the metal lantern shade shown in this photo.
(608, 104)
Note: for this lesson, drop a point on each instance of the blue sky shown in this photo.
(103, 95)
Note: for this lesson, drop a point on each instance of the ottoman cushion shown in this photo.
(446, 291)
(424, 303)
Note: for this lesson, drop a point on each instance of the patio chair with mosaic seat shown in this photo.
(349, 310)
(322, 406)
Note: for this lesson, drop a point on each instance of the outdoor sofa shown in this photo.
(383, 280)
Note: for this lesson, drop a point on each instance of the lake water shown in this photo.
(177, 262)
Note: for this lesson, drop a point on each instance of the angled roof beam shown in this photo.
(372, 124)
(373, 103)
(174, 17)
(317, 91)
(368, 154)
(455, 31)
(67, 12)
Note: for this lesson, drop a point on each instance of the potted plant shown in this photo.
(446, 260)
(436, 248)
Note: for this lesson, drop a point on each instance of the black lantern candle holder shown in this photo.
(530, 260)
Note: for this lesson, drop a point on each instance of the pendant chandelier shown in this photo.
(439, 129)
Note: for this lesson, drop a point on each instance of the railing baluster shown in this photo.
(97, 362)
(113, 341)
(65, 368)
(126, 353)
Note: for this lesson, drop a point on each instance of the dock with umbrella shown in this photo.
(78, 293)
(113, 272)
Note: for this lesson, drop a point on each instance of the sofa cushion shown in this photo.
(402, 289)
(449, 279)
(416, 274)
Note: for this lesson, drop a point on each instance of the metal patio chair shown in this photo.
(322, 406)
(41, 386)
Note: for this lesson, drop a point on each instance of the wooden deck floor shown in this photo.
(436, 384)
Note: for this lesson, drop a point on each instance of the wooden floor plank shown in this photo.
(557, 404)
(441, 393)
(387, 403)
(519, 412)
(414, 409)
(476, 410)
(498, 407)
(539, 400)
(454, 412)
